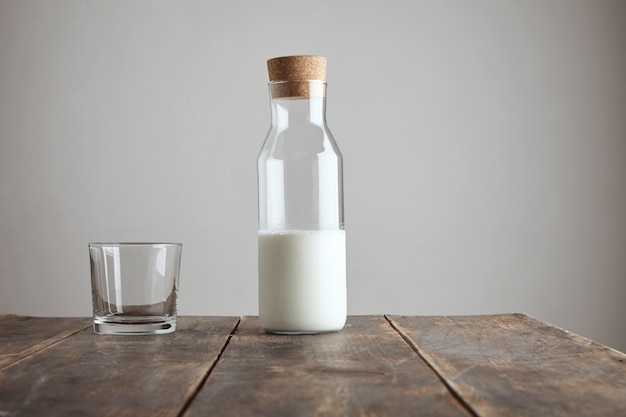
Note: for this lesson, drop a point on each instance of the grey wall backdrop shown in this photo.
(484, 145)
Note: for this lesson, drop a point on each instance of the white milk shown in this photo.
(302, 281)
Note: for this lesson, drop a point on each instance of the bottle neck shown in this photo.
(295, 103)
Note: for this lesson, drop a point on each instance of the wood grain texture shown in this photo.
(90, 374)
(22, 335)
(515, 365)
(364, 370)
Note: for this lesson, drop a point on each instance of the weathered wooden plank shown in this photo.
(21, 336)
(90, 374)
(515, 365)
(364, 370)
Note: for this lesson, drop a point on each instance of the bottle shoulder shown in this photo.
(301, 141)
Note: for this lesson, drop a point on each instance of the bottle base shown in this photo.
(304, 332)
(302, 328)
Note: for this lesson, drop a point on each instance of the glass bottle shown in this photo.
(302, 241)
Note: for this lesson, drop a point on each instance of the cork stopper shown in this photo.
(292, 76)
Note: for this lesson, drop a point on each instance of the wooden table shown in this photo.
(500, 365)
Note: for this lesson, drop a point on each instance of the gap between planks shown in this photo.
(200, 385)
(416, 349)
(44, 348)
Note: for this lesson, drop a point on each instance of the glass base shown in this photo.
(134, 325)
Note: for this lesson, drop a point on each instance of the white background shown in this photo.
(484, 146)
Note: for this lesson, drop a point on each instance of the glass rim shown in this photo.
(133, 243)
(275, 82)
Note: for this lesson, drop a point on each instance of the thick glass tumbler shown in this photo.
(135, 287)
